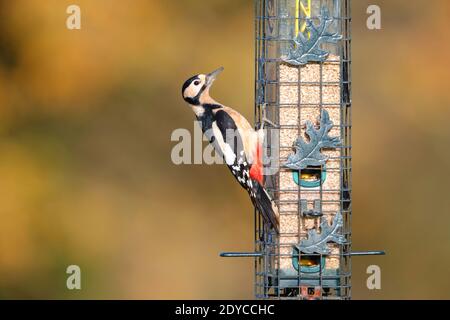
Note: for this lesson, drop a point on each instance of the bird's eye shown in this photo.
(196, 83)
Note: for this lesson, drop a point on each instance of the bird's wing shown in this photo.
(230, 142)
(250, 140)
(228, 137)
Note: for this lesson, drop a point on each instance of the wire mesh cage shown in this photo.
(303, 90)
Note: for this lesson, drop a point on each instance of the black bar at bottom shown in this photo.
(230, 309)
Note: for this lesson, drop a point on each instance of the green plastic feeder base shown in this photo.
(310, 184)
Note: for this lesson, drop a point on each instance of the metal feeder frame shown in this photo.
(274, 47)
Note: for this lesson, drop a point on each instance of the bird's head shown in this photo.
(196, 89)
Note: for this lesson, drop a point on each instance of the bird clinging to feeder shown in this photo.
(234, 138)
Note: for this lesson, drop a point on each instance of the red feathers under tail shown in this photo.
(256, 171)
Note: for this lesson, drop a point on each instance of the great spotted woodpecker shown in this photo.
(233, 138)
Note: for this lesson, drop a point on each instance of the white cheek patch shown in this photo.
(225, 148)
(191, 91)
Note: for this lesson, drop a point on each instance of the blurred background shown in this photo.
(85, 171)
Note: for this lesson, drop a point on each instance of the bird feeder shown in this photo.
(303, 97)
(303, 87)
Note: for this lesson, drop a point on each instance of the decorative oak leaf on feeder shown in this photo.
(316, 243)
(307, 49)
(308, 153)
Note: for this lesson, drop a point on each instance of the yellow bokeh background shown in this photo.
(85, 171)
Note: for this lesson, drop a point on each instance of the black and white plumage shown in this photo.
(233, 138)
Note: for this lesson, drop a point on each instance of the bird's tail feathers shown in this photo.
(265, 205)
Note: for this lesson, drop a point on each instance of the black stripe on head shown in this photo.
(188, 83)
(195, 100)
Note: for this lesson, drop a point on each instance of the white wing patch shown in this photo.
(225, 148)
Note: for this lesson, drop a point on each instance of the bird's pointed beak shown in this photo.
(212, 76)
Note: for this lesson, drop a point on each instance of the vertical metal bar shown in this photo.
(321, 168)
(266, 21)
(277, 103)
